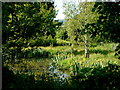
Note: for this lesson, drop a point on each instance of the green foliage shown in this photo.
(61, 42)
(100, 78)
(117, 51)
(21, 17)
(30, 32)
(61, 34)
(80, 21)
(26, 81)
(109, 17)
(13, 53)
(33, 52)
(42, 41)
(102, 70)
(99, 19)
(100, 55)
(27, 24)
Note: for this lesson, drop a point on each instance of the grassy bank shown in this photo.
(99, 55)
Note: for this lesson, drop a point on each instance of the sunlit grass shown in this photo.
(99, 55)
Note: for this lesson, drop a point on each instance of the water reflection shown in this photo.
(40, 66)
(55, 72)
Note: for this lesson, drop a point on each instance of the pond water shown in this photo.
(48, 67)
(44, 65)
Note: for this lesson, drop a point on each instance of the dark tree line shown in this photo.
(27, 24)
(22, 21)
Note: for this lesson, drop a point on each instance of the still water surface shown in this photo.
(44, 65)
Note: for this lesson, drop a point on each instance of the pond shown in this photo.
(41, 65)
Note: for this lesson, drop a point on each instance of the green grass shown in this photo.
(99, 55)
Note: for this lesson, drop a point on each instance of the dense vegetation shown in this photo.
(41, 52)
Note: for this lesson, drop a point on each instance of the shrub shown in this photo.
(26, 81)
(31, 52)
(42, 41)
(117, 50)
(62, 42)
(95, 78)
(12, 53)
(98, 78)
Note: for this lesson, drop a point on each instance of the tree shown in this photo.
(61, 33)
(108, 23)
(23, 21)
(26, 20)
(109, 20)
(80, 23)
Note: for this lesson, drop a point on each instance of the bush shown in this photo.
(62, 42)
(117, 50)
(98, 78)
(11, 80)
(31, 52)
(95, 78)
(12, 53)
(9, 53)
(27, 82)
(62, 34)
(42, 41)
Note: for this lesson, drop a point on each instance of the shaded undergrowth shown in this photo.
(92, 51)
(106, 78)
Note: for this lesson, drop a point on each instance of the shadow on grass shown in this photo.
(98, 51)
(104, 52)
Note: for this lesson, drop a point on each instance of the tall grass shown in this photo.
(99, 55)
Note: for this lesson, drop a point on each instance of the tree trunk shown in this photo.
(86, 46)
